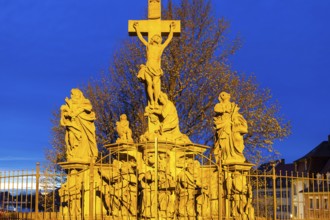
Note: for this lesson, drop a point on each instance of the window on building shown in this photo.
(294, 189)
(317, 203)
(295, 213)
(311, 203)
(278, 183)
(278, 194)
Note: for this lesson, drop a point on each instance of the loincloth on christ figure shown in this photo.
(145, 69)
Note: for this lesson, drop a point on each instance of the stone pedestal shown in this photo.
(76, 200)
(237, 191)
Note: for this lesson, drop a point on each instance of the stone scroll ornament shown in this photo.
(230, 127)
(77, 116)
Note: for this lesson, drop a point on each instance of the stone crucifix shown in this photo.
(154, 27)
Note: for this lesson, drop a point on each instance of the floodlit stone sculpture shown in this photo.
(70, 193)
(77, 116)
(156, 199)
(164, 175)
(124, 132)
(166, 186)
(187, 184)
(120, 194)
(163, 122)
(230, 127)
(148, 195)
(151, 72)
(203, 202)
(239, 194)
(167, 121)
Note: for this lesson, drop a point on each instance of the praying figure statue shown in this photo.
(166, 113)
(151, 71)
(230, 127)
(77, 116)
(124, 132)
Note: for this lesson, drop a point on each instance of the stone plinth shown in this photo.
(237, 191)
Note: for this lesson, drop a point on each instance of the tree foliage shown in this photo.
(196, 69)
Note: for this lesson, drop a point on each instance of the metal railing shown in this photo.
(30, 194)
(35, 194)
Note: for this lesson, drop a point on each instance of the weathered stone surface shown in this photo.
(77, 116)
(230, 127)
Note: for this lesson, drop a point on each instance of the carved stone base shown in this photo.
(74, 165)
(237, 166)
(238, 191)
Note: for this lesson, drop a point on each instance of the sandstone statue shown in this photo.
(168, 125)
(71, 194)
(230, 127)
(77, 116)
(188, 181)
(239, 194)
(124, 132)
(120, 194)
(166, 186)
(151, 71)
(147, 184)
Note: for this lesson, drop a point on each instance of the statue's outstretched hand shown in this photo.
(172, 25)
(136, 25)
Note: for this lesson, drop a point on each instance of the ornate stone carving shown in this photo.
(121, 190)
(187, 185)
(70, 194)
(171, 180)
(230, 127)
(239, 195)
(123, 130)
(166, 122)
(166, 186)
(78, 118)
(151, 72)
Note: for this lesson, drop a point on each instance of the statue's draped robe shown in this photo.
(230, 126)
(170, 124)
(80, 131)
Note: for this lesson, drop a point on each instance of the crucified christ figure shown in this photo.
(151, 71)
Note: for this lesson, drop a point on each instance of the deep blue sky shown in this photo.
(48, 47)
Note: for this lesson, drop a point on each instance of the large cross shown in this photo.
(154, 25)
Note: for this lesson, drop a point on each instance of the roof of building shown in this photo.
(322, 150)
(280, 167)
(326, 167)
